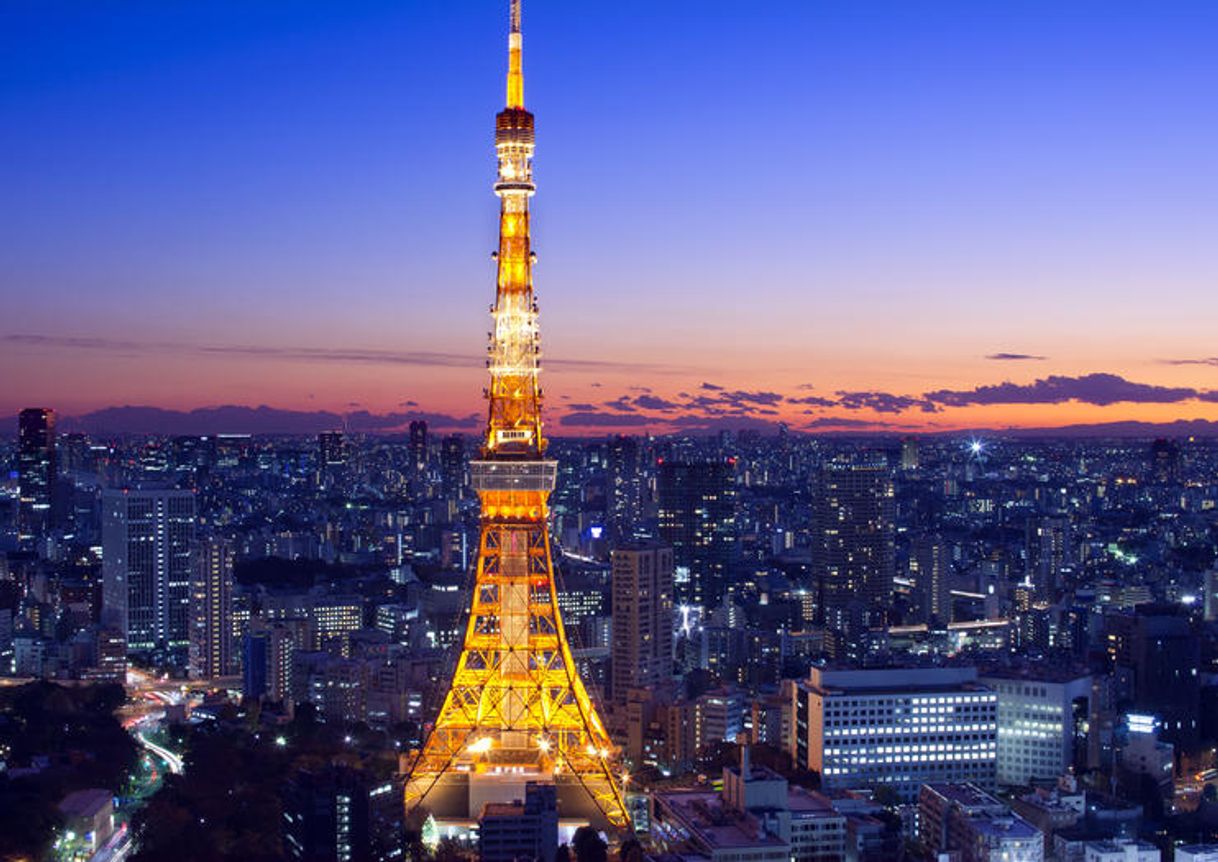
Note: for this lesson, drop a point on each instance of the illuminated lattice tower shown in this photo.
(516, 710)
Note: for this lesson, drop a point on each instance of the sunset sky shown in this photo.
(898, 215)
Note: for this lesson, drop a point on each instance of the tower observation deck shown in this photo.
(516, 709)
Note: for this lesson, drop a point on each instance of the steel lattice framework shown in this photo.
(516, 709)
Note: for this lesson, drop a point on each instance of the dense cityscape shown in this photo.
(913, 645)
(737, 639)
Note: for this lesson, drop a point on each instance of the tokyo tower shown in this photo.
(516, 709)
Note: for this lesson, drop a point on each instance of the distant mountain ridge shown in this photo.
(236, 419)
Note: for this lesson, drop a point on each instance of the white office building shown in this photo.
(896, 727)
(1039, 716)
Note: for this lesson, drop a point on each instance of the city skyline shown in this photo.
(937, 219)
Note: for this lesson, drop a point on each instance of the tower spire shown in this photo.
(515, 78)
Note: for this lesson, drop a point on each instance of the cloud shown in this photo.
(883, 402)
(719, 399)
(654, 402)
(1015, 357)
(596, 419)
(359, 355)
(622, 402)
(1099, 389)
(1205, 360)
(813, 400)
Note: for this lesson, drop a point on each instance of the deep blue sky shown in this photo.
(860, 195)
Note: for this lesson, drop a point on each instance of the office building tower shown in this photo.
(267, 655)
(1157, 647)
(896, 727)
(452, 467)
(623, 487)
(416, 447)
(523, 829)
(339, 814)
(1164, 461)
(331, 449)
(334, 618)
(932, 563)
(1048, 555)
(1209, 586)
(37, 470)
(1042, 721)
(211, 610)
(910, 459)
(147, 564)
(971, 825)
(853, 540)
(697, 509)
(642, 617)
(517, 708)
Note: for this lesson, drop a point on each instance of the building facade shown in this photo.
(853, 540)
(897, 728)
(697, 518)
(1041, 723)
(211, 610)
(642, 640)
(147, 565)
(37, 470)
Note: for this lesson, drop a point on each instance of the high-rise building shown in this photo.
(337, 813)
(416, 447)
(37, 470)
(268, 649)
(932, 561)
(1156, 644)
(1042, 721)
(452, 467)
(517, 709)
(1164, 461)
(896, 727)
(642, 617)
(623, 487)
(1209, 584)
(147, 565)
(697, 509)
(1048, 555)
(853, 540)
(211, 610)
(910, 458)
(331, 449)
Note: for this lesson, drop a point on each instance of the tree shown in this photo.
(887, 796)
(589, 846)
(630, 851)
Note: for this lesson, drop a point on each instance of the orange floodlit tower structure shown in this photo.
(516, 710)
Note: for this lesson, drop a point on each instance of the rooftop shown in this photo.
(703, 813)
(85, 803)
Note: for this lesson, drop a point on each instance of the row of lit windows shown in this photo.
(870, 731)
